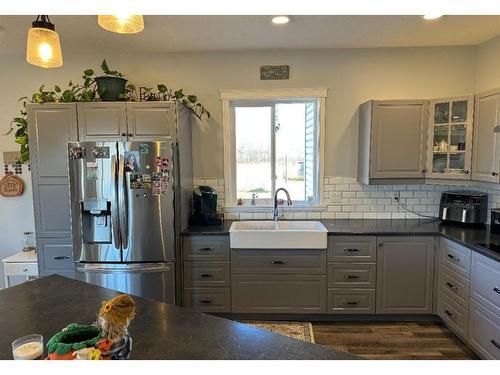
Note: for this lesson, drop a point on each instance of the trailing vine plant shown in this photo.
(88, 91)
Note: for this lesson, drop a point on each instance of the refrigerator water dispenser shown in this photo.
(96, 220)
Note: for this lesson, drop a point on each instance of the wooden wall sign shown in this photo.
(268, 72)
(11, 186)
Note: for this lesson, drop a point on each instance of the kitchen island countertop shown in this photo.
(159, 331)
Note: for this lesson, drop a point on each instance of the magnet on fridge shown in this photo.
(92, 170)
(77, 153)
(144, 148)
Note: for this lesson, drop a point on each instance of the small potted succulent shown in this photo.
(111, 86)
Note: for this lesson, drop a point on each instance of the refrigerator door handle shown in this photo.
(122, 202)
(121, 268)
(114, 207)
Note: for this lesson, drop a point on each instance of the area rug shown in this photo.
(297, 330)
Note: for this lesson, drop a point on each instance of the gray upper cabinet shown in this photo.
(151, 121)
(102, 121)
(51, 127)
(392, 141)
(405, 268)
(485, 157)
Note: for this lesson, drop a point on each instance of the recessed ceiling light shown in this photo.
(432, 16)
(280, 20)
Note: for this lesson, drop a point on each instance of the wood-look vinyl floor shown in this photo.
(392, 340)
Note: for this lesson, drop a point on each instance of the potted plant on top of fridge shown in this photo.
(111, 86)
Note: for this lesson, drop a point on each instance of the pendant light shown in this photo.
(43, 48)
(122, 24)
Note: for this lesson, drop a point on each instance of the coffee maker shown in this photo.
(205, 207)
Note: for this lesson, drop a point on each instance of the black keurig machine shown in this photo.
(205, 207)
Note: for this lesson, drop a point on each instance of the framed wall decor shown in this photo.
(272, 72)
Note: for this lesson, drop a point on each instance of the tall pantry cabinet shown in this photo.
(51, 127)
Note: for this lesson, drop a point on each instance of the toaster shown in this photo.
(461, 206)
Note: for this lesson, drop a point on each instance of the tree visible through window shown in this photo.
(276, 145)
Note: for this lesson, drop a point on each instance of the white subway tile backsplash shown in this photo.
(345, 198)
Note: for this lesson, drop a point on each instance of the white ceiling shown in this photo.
(218, 33)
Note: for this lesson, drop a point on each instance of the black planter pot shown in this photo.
(111, 88)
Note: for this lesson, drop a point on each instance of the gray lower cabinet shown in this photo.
(278, 294)
(208, 299)
(484, 331)
(405, 268)
(55, 256)
(206, 273)
(351, 301)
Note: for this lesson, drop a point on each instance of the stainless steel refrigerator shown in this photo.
(125, 211)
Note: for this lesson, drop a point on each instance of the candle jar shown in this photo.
(29, 243)
(28, 347)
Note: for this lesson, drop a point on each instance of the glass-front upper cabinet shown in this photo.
(450, 138)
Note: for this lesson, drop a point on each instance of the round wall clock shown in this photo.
(11, 186)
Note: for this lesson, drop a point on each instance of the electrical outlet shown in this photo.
(396, 195)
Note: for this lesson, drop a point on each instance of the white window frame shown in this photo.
(229, 95)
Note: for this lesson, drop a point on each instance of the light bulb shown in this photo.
(45, 51)
(280, 20)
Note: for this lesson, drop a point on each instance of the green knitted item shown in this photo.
(74, 337)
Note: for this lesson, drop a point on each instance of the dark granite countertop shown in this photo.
(159, 331)
(470, 237)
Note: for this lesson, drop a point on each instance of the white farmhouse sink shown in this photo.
(278, 235)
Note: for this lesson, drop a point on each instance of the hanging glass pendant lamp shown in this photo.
(43, 48)
(122, 24)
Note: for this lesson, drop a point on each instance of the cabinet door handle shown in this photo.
(278, 262)
(424, 171)
(466, 171)
(206, 301)
(350, 302)
(351, 277)
(124, 134)
(351, 250)
(206, 275)
(453, 317)
(451, 286)
(130, 134)
(494, 173)
(61, 257)
(25, 270)
(495, 289)
(206, 248)
(495, 343)
(453, 257)
(380, 244)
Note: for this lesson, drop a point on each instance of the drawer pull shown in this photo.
(351, 277)
(453, 257)
(61, 257)
(350, 302)
(451, 286)
(497, 290)
(496, 344)
(206, 301)
(453, 317)
(25, 270)
(206, 249)
(351, 250)
(278, 262)
(206, 275)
